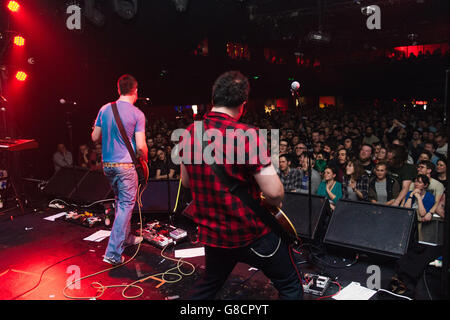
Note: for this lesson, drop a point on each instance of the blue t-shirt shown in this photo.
(428, 200)
(113, 146)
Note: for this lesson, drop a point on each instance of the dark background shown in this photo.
(157, 47)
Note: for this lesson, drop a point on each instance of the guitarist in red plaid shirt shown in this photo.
(230, 231)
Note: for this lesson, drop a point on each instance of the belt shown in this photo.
(115, 165)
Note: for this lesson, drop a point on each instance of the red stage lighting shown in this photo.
(19, 41)
(14, 6)
(21, 76)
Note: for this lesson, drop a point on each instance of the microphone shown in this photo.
(64, 101)
(295, 86)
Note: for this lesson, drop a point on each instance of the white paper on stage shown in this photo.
(55, 216)
(98, 236)
(190, 253)
(354, 291)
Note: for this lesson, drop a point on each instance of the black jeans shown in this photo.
(269, 254)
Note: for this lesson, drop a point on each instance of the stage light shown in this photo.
(14, 6)
(19, 41)
(126, 9)
(181, 5)
(21, 76)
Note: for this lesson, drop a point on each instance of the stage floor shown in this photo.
(38, 258)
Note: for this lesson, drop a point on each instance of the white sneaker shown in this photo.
(134, 241)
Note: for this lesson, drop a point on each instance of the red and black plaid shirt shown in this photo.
(223, 220)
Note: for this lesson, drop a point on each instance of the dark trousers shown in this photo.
(268, 254)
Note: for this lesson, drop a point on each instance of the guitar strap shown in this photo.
(237, 189)
(119, 123)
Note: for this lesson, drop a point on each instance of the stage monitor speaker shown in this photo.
(64, 181)
(78, 185)
(295, 206)
(155, 198)
(92, 187)
(372, 228)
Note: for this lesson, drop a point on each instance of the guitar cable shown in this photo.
(97, 285)
(101, 288)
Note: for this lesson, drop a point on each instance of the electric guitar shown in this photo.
(143, 171)
(288, 229)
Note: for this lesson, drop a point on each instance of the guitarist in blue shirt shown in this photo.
(118, 164)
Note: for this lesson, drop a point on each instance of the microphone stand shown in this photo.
(309, 153)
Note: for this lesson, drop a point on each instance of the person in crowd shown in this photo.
(431, 147)
(290, 177)
(340, 163)
(95, 158)
(150, 142)
(441, 171)
(369, 137)
(299, 149)
(383, 188)
(284, 147)
(424, 155)
(62, 157)
(329, 187)
(355, 185)
(400, 170)
(401, 142)
(419, 198)
(152, 162)
(415, 146)
(305, 162)
(365, 158)
(83, 156)
(435, 187)
(442, 145)
(381, 155)
(165, 169)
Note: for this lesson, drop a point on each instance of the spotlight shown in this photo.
(21, 76)
(181, 5)
(93, 14)
(14, 6)
(125, 9)
(19, 41)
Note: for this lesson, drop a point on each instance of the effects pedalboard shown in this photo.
(315, 284)
(162, 235)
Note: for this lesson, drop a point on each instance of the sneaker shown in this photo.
(113, 262)
(134, 241)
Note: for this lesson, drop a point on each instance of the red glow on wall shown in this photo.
(21, 76)
(19, 41)
(14, 6)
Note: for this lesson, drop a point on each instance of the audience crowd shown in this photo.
(379, 154)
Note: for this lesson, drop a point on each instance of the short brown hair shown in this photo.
(126, 84)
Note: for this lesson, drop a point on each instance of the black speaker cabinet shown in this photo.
(296, 208)
(159, 197)
(372, 228)
(79, 185)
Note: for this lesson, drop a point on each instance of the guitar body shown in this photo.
(282, 220)
(280, 217)
(143, 172)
